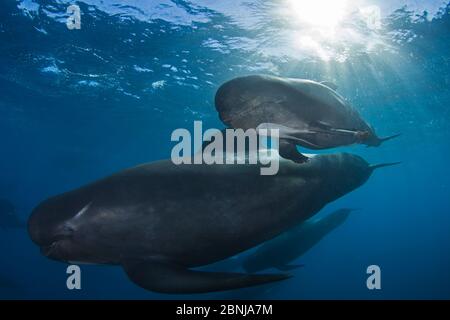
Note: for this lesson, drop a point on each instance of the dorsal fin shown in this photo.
(330, 85)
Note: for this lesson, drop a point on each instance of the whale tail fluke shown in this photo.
(389, 138)
(373, 141)
(165, 277)
(382, 165)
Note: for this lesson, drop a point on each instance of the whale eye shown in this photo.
(64, 232)
(68, 229)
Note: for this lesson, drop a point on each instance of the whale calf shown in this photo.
(160, 220)
(306, 113)
(281, 251)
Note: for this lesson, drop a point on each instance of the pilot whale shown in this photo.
(160, 220)
(306, 113)
(281, 251)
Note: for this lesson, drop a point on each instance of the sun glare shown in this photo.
(320, 13)
(332, 29)
(308, 44)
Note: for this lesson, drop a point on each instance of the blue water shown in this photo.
(77, 105)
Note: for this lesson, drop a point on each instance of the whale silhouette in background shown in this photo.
(306, 113)
(8, 216)
(292, 244)
(159, 220)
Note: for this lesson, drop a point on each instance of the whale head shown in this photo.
(53, 227)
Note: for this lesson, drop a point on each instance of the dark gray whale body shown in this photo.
(158, 220)
(281, 251)
(307, 113)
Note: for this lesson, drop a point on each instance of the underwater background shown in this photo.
(77, 105)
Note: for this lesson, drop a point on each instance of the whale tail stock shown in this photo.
(374, 141)
(163, 276)
(389, 138)
(370, 139)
